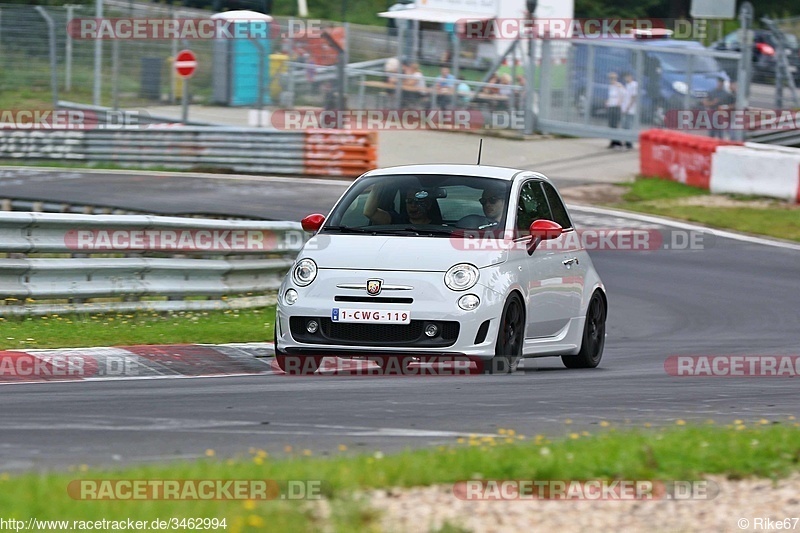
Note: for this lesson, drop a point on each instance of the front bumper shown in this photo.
(428, 301)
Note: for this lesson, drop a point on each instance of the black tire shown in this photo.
(510, 336)
(594, 336)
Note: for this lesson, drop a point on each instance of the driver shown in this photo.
(418, 208)
(493, 202)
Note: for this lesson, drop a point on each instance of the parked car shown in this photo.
(474, 278)
(765, 46)
(665, 76)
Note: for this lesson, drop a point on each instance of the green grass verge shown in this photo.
(767, 217)
(766, 449)
(126, 329)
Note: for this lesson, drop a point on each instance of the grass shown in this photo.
(126, 329)
(662, 197)
(769, 449)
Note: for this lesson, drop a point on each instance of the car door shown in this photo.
(574, 258)
(548, 303)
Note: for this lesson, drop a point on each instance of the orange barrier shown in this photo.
(342, 153)
(678, 156)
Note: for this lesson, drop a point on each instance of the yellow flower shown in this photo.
(258, 460)
(680, 422)
(604, 423)
(343, 448)
(574, 436)
(255, 521)
(210, 453)
(249, 505)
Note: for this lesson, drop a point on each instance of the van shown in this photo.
(665, 76)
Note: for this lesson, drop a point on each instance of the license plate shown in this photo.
(370, 316)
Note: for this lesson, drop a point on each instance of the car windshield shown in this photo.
(679, 62)
(421, 205)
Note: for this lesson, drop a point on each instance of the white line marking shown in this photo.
(685, 225)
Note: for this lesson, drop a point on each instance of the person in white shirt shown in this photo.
(616, 92)
(629, 102)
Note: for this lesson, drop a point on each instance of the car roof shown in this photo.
(644, 43)
(484, 171)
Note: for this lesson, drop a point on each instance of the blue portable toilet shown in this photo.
(237, 54)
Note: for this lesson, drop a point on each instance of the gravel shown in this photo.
(740, 505)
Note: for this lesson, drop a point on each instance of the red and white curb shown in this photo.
(134, 362)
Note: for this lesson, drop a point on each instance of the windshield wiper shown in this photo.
(347, 229)
(431, 231)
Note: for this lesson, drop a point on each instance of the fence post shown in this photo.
(98, 59)
(51, 32)
(745, 61)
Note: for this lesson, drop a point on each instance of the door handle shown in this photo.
(569, 262)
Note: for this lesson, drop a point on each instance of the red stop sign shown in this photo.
(185, 63)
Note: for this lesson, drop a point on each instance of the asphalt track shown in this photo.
(731, 297)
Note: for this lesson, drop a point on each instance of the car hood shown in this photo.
(379, 252)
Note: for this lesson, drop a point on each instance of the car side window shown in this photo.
(558, 208)
(532, 206)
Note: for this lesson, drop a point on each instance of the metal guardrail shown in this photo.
(64, 263)
(311, 152)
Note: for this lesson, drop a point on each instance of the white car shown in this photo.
(424, 261)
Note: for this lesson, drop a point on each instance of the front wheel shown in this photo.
(510, 336)
(594, 336)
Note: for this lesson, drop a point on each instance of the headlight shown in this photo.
(469, 302)
(304, 272)
(290, 297)
(680, 87)
(461, 277)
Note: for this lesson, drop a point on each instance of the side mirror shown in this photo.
(543, 230)
(312, 223)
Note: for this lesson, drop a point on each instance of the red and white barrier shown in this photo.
(721, 166)
(757, 169)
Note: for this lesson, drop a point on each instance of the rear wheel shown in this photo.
(594, 336)
(510, 336)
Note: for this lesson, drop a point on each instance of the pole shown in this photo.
(98, 58)
(745, 61)
(68, 58)
(530, 81)
(51, 31)
(115, 74)
(185, 101)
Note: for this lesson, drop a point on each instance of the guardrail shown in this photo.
(253, 150)
(59, 263)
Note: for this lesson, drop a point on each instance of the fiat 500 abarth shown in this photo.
(425, 261)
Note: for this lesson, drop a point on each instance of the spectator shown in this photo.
(445, 80)
(715, 102)
(629, 104)
(463, 92)
(616, 92)
(392, 68)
